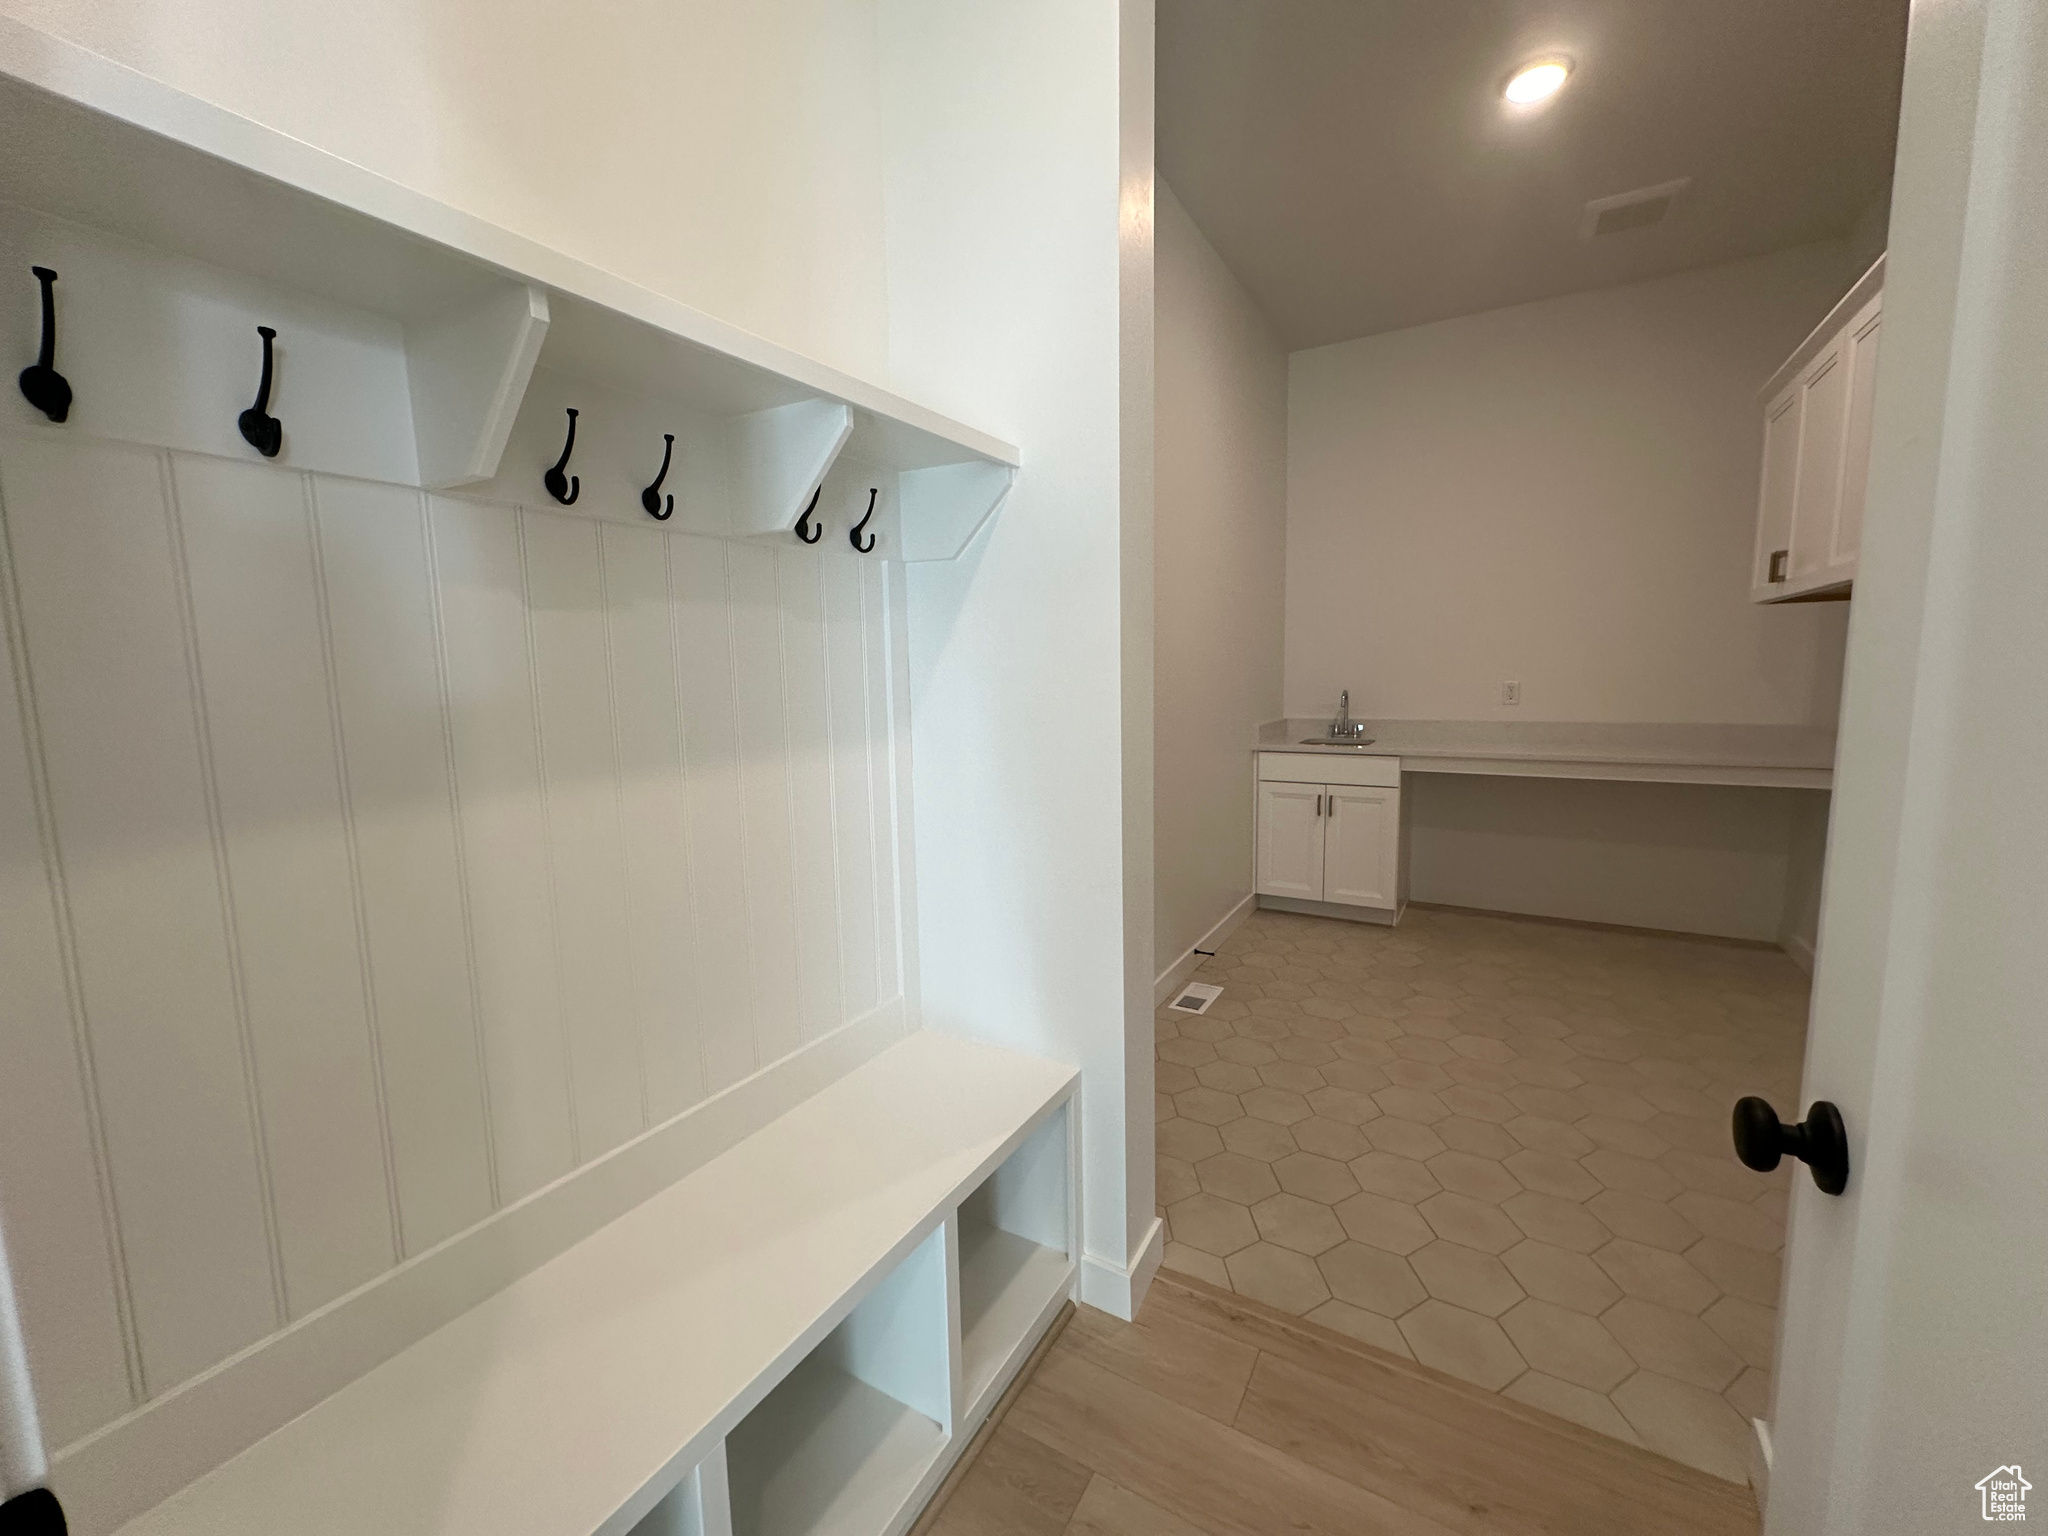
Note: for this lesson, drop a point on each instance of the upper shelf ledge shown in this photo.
(94, 143)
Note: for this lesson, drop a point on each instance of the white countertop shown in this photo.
(1787, 756)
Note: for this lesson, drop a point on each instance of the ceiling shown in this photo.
(1353, 161)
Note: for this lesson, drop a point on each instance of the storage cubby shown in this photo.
(842, 1446)
(1016, 1261)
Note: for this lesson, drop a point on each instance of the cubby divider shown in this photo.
(697, 1506)
(1016, 1258)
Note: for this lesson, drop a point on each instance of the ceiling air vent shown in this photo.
(1631, 210)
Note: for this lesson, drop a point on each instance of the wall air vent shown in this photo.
(1631, 210)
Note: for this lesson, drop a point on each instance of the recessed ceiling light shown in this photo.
(1537, 81)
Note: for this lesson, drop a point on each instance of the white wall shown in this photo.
(1020, 204)
(1805, 863)
(1865, 240)
(371, 861)
(1121, 1290)
(725, 154)
(1220, 563)
(1690, 858)
(1562, 494)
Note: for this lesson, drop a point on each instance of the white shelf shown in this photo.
(1007, 1284)
(162, 177)
(575, 1399)
(827, 1455)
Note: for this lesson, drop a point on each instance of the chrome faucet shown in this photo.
(1345, 728)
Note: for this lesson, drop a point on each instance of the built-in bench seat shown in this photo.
(841, 1297)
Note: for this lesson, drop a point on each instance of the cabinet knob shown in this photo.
(1778, 559)
(1820, 1141)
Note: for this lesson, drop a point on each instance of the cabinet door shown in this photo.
(1862, 368)
(1291, 840)
(1825, 388)
(1362, 847)
(1780, 485)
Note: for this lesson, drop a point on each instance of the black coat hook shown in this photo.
(261, 430)
(804, 529)
(564, 487)
(650, 499)
(47, 389)
(853, 533)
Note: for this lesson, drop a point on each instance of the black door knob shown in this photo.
(1821, 1142)
(35, 1513)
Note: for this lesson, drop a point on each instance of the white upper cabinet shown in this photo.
(1823, 419)
(1362, 847)
(1862, 370)
(1781, 484)
(1816, 460)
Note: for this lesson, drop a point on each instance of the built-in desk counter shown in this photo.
(1773, 756)
(1336, 823)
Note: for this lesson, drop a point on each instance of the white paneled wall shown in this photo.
(369, 861)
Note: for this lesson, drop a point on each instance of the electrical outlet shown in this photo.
(1511, 693)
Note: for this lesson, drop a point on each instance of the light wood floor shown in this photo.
(1213, 1415)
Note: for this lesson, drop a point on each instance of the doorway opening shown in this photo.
(1514, 398)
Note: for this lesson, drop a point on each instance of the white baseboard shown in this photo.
(1760, 1462)
(1343, 911)
(1120, 1290)
(1184, 967)
(1801, 952)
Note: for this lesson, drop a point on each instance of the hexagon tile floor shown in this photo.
(1499, 1147)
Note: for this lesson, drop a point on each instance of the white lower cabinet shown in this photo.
(1361, 846)
(1291, 840)
(1330, 844)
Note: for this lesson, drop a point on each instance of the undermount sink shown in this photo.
(1336, 741)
